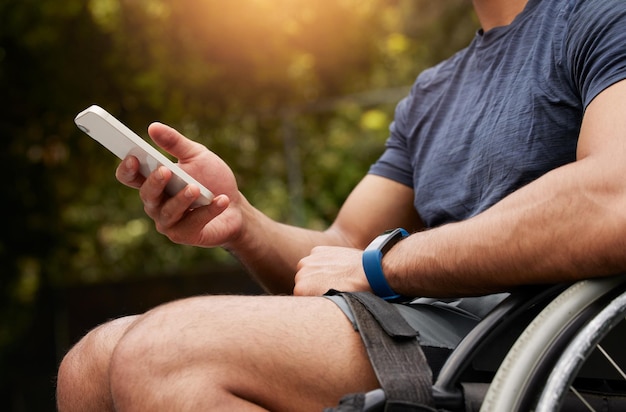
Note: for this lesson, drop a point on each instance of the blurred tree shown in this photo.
(279, 88)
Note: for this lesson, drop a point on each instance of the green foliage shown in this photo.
(278, 88)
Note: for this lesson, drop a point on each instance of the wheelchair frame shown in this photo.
(555, 330)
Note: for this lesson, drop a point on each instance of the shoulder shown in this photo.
(587, 17)
(595, 45)
(600, 8)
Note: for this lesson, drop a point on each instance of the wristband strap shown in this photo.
(372, 262)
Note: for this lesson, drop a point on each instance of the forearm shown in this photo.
(567, 225)
(270, 251)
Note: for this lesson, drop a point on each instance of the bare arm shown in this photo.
(567, 225)
(270, 250)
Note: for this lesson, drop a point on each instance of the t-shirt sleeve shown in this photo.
(395, 162)
(595, 46)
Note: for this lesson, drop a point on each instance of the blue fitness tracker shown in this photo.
(372, 257)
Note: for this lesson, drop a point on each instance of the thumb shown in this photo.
(173, 142)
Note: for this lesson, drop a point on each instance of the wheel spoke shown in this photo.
(582, 399)
(612, 362)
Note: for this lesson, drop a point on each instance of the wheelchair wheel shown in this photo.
(559, 351)
(589, 340)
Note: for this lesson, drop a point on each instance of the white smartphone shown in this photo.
(121, 141)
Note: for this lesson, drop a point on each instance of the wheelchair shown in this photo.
(553, 348)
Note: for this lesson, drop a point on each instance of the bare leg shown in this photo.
(83, 378)
(238, 353)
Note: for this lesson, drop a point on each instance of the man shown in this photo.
(512, 154)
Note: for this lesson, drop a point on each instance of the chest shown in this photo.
(486, 124)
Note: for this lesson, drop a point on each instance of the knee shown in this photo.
(143, 358)
(68, 376)
(147, 347)
(156, 352)
(83, 372)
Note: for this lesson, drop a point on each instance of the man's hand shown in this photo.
(329, 267)
(207, 226)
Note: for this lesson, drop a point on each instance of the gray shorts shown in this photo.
(441, 324)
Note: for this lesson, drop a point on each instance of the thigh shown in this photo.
(279, 352)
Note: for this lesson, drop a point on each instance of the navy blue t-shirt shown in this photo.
(505, 110)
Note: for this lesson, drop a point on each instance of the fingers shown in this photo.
(172, 215)
(185, 226)
(162, 208)
(127, 173)
(330, 267)
(152, 191)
